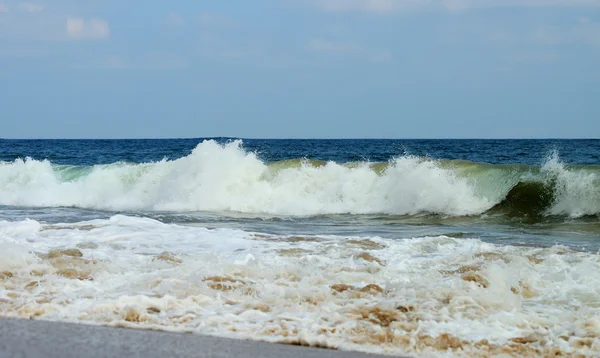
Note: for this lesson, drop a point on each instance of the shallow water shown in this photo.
(443, 248)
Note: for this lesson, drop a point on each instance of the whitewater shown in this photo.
(425, 248)
(437, 295)
(225, 177)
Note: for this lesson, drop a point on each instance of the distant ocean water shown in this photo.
(438, 247)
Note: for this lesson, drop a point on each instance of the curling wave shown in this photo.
(217, 177)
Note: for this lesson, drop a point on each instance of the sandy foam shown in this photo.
(431, 295)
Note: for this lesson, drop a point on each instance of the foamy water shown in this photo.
(438, 296)
(220, 178)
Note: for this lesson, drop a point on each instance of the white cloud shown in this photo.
(30, 7)
(321, 45)
(390, 6)
(80, 28)
(3, 8)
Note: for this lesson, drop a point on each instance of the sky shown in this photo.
(300, 69)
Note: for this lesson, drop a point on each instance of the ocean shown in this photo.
(436, 248)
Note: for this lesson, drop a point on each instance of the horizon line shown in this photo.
(302, 138)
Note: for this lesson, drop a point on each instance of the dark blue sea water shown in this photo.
(508, 151)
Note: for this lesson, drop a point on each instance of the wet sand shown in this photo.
(30, 338)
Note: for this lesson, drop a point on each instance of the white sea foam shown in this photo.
(221, 178)
(577, 193)
(226, 178)
(435, 295)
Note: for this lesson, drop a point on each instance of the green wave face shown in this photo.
(533, 192)
(517, 190)
(527, 200)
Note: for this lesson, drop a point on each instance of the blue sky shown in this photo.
(300, 69)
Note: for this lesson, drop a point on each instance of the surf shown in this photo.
(227, 178)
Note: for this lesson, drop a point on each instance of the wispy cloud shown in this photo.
(80, 28)
(381, 57)
(22, 52)
(533, 57)
(583, 20)
(217, 46)
(214, 20)
(114, 63)
(584, 31)
(321, 45)
(218, 40)
(580, 31)
(161, 60)
(31, 8)
(380, 6)
(390, 6)
(173, 19)
(24, 26)
(148, 61)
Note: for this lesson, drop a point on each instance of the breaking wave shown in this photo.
(217, 177)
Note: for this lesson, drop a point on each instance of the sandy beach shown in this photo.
(29, 338)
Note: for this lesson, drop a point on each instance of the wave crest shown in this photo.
(217, 177)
